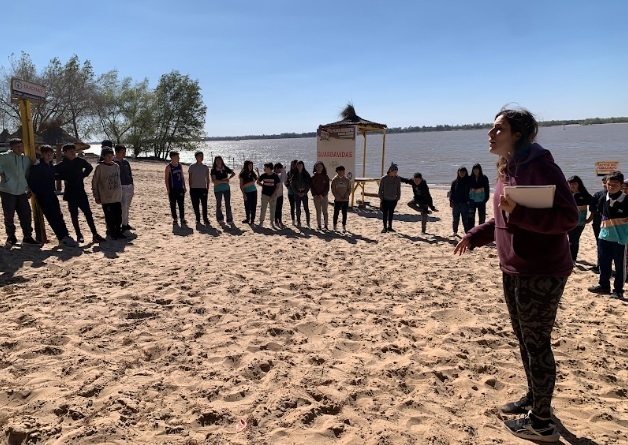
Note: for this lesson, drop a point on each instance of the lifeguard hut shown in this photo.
(336, 145)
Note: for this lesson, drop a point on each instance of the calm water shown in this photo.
(438, 155)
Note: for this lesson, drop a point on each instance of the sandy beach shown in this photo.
(295, 336)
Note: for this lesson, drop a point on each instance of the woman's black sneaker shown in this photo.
(530, 427)
(521, 406)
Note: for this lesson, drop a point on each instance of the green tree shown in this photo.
(179, 114)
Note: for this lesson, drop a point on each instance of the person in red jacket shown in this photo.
(535, 259)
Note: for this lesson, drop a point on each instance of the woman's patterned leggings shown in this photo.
(532, 304)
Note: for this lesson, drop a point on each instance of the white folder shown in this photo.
(532, 196)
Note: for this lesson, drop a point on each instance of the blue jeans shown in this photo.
(460, 210)
(219, 215)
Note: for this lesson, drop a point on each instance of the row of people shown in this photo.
(112, 187)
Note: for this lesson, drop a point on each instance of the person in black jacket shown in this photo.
(422, 201)
(459, 199)
(41, 180)
(583, 200)
(479, 193)
(73, 170)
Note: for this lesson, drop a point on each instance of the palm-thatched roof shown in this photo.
(350, 117)
(52, 134)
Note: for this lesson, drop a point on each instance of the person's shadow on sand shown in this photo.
(111, 248)
(568, 437)
(12, 260)
(207, 230)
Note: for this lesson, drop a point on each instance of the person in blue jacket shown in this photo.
(41, 180)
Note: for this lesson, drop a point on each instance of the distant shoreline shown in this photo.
(424, 129)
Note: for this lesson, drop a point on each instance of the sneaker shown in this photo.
(530, 427)
(344, 229)
(521, 406)
(619, 295)
(272, 226)
(29, 241)
(11, 241)
(68, 241)
(261, 224)
(326, 229)
(384, 230)
(79, 238)
(423, 231)
(98, 238)
(598, 289)
(335, 229)
(319, 227)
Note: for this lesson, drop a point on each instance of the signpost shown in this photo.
(24, 93)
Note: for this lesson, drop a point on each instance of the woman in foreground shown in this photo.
(535, 260)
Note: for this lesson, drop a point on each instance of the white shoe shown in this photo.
(272, 226)
(68, 241)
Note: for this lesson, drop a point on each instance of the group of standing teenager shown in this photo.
(299, 182)
(112, 187)
(468, 194)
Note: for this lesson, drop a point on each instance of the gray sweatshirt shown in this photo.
(390, 188)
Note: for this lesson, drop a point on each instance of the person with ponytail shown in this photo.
(535, 260)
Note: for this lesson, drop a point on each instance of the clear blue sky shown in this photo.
(273, 66)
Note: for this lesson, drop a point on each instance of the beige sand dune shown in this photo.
(250, 336)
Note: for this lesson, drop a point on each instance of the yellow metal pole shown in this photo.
(28, 140)
(383, 151)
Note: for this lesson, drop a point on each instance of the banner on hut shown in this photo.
(336, 146)
(603, 168)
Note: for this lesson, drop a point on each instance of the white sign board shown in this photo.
(603, 168)
(336, 146)
(21, 89)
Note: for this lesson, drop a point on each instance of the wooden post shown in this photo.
(364, 163)
(383, 150)
(28, 140)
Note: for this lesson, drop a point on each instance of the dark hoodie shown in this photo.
(531, 241)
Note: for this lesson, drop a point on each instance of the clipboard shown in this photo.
(532, 196)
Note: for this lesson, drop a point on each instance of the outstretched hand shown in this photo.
(462, 246)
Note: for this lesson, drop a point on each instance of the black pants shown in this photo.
(532, 304)
(481, 208)
(113, 218)
(17, 203)
(574, 241)
(388, 209)
(279, 210)
(199, 198)
(49, 205)
(423, 209)
(250, 206)
(292, 207)
(338, 207)
(596, 225)
(177, 197)
(306, 208)
(611, 252)
(83, 204)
